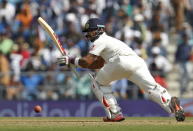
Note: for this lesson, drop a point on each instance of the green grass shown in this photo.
(93, 124)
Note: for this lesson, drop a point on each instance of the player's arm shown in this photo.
(90, 61)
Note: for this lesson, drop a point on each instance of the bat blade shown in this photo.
(52, 34)
(54, 37)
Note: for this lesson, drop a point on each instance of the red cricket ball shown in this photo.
(37, 108)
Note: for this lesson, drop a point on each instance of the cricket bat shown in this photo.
(54, 37)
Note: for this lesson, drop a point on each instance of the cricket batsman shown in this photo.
(120, 62)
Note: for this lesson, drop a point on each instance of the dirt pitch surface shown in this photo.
(93, 124)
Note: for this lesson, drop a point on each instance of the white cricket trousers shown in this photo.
(134, 69)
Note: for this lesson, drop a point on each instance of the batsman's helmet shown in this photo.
(93, 24)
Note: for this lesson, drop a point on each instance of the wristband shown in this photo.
(74, 61)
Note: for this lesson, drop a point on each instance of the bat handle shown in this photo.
(74, 71)
(71, 66)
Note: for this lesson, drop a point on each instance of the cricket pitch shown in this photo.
(93, 124)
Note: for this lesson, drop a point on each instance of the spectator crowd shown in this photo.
(28, 69)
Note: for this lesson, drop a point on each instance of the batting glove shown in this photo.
(63, 61)
(68, 61)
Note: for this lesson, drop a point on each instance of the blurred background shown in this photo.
(160, 31)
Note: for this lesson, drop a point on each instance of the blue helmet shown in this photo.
(93, 24)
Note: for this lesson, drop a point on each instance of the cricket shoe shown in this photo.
(117, 118)
(177, 109)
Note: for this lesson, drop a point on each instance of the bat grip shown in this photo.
(71, 66)
(74, 71)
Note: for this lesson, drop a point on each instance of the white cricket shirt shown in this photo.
(108, 47)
